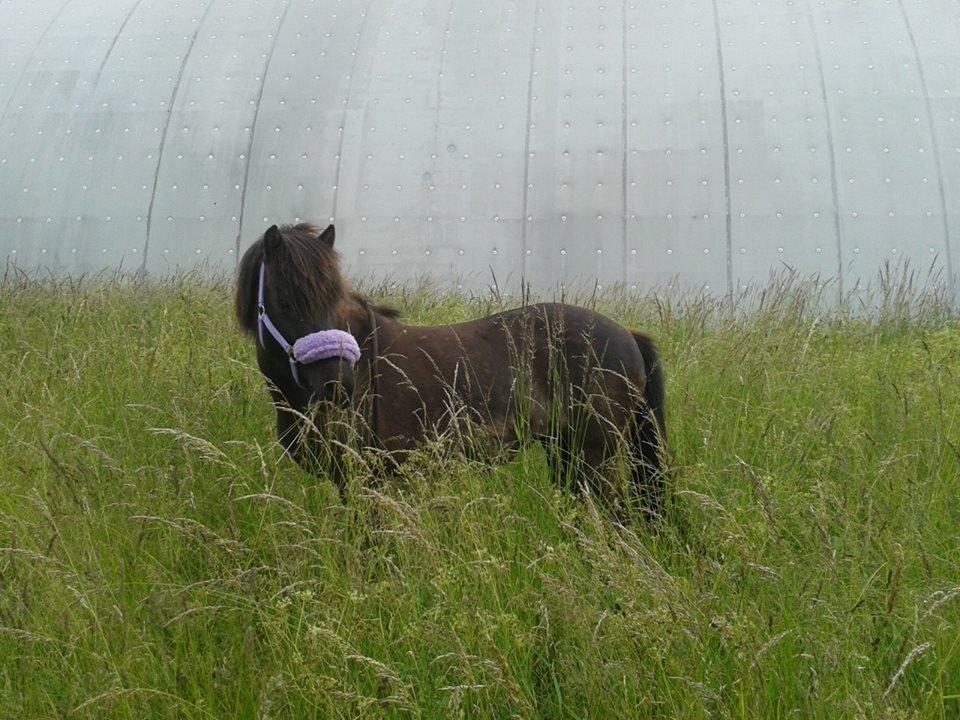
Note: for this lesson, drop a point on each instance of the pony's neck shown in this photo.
(354, 312)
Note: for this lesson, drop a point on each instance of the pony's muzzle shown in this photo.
(338, 393)
(331, 381)
(327, 358)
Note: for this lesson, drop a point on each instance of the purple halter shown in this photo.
(309, 348)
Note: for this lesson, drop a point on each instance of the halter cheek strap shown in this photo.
(310, 348)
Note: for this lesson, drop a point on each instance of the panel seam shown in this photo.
(623, 171)
(30, 59)
(436, 116)
(931, 124)
(166, 128)
(346, 107)
(526, 149)
(113, 45)
(728, 234)
(253, 127)
(831, 149)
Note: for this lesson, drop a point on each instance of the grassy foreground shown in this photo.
(159, 559)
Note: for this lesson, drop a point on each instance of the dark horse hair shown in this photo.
(579, 383)
(305, 275)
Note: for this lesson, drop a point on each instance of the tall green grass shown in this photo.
(160, 559)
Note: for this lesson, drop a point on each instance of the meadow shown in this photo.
(160, 558)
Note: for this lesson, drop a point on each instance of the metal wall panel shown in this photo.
(933, 27)
(207, 137)
(475, 180)
(294, 173)
(576, 148)
(389, 138)
(684, 145)
(782, 182)
(53, 141)
(676, 193)
(886, 174)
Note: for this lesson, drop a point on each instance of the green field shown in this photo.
(160, 559)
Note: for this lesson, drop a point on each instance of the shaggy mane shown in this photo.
(305, 278)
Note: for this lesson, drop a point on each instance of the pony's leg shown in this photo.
(288, 433)
(559, 459)
(646, 472)
(292, 438)
(651, 495)
(598, 450)
(337, 436)
(600, 470)
(584, 454)
(576, 462)
(311, 453)
(337, 470)
(588, 446)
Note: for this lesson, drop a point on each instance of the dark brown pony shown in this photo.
(581, 384)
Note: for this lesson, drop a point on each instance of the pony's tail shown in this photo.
(650, 431)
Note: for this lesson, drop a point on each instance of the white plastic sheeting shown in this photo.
(700, 144)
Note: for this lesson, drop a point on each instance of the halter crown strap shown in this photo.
(374, 376)
(265, 322)
(309, 348)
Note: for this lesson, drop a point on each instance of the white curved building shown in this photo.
(700, 143)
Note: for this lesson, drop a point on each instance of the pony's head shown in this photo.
(290, 296)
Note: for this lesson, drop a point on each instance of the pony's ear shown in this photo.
(328, 235)
(272, 242)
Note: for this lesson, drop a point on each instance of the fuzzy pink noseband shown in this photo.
(326, 344)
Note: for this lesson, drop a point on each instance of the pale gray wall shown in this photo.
(703, 142)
